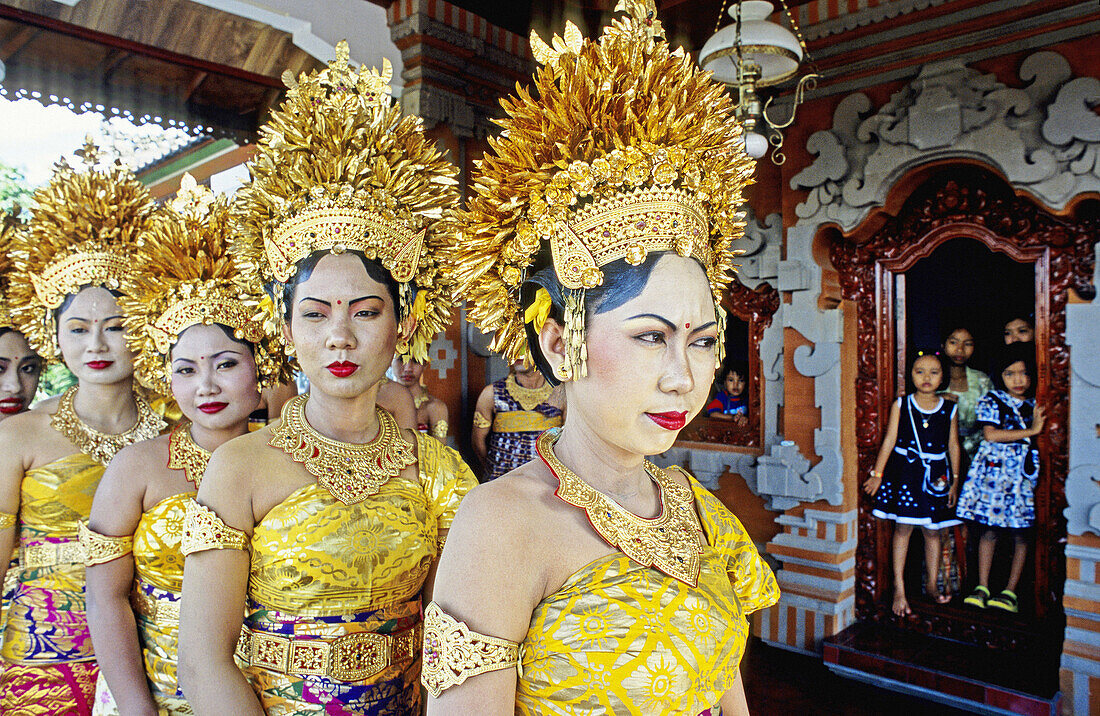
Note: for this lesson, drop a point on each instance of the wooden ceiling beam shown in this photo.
(17, 42)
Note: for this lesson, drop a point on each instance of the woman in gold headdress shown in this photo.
(323, 529)
(197, 331)
(70, 262)
(605, 255)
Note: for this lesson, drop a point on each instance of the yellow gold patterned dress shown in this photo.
(49, 664)
(620, 638)
(158, 582)
(324, 569)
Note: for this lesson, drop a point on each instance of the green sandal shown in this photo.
(978, 598)
(1006, 600)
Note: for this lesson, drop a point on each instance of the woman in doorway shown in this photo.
(635, 581)
(1019, 329)
(510, 415)
(966, 384)
(323, 529)
(71, 261)
(431, 412)
(198, 335)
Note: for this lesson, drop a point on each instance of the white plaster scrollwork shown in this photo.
(1083, 480)
(1043, 137)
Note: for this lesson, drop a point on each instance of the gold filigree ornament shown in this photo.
(9, 224)
(350, 472)
(672, 542)
(100, 548)
(624, 149)
(82, 232)
(528, 398)
(186, 454)
(102, 447)
(340, 168)
(453, 652)
(184, 276)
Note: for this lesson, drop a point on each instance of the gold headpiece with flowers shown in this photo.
(9, 224)
(339, 168)
(82, 232)
(183, 277)
(628, 149)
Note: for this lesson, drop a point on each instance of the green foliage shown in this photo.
(14, 188)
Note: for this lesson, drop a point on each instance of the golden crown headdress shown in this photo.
(9, 224)
(183, 277)
(81, 232)
(628, 149)
(340, 168)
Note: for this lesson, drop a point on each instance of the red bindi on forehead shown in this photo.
(687, 325)
(338, 302)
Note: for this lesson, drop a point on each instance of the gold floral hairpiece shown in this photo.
(628, 150)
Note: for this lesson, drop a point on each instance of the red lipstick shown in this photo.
(342, 369)
(99, 364)
(11, 406)
(669, 421)
(211, 408)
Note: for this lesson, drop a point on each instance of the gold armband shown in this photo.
(6, 520)
(100, 548)
(453, 652)
(480, 421)
(203, 530)
(439, 430)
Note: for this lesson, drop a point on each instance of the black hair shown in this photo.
(917, 355)
(4, 330)
(622, 282)
(1014, 353)
(305, 269)
(952, 326)
(1024, 316)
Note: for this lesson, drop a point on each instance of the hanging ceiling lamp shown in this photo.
(754, 52)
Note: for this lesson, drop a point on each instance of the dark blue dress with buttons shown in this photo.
(917, 478)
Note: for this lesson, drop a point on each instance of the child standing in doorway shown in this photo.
(730, 401)
(966, 384)
(915, 479)
(999, 493)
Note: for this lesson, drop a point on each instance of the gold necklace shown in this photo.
(528, 398)
(670, 542)
(351, 472)
(102, 447)
(186, 454)
(420, 398)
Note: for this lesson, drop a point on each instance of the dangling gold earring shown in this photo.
(403, 345)
(290, 350)
(564, 371)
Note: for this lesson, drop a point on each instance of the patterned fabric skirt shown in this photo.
(48, 690)
(166, 705)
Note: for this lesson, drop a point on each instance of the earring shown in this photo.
(289, 350)
(403, 345)
(564, 371)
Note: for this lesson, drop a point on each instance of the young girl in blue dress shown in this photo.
(730, 401)
(999, 493)
(915, 480)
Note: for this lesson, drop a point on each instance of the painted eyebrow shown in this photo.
(85, 320)
(670, 324)
(213, 356)
(350, 303)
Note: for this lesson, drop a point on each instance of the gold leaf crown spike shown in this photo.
(340, 168)
(629, 149)
(82, 232)
(9, 224)
(184, 276)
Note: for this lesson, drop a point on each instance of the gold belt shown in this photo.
(161, 612)
(51, 554)
(349, 658)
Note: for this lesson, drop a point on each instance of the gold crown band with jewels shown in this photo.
(338, 230)
(654, 162)
(185, 277)
(340, 168)
(82, 232)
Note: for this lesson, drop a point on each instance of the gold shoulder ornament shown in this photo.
(340, 168)
(350, 472)
(184, 277)
(453, 652)
(102, 447)
(82, 232)
(672, 542)
(203, 530)
(480, 421)
(654, 162)
(439, 430)
(101, 548)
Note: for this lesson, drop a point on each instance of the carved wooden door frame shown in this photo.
(964, 201)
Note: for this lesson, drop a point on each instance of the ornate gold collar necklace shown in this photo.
(420, 398)
(186, 454)
(670, 542)
(101, 447)
(528, 398)
(351, 472)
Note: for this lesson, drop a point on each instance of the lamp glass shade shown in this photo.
(773, 47)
